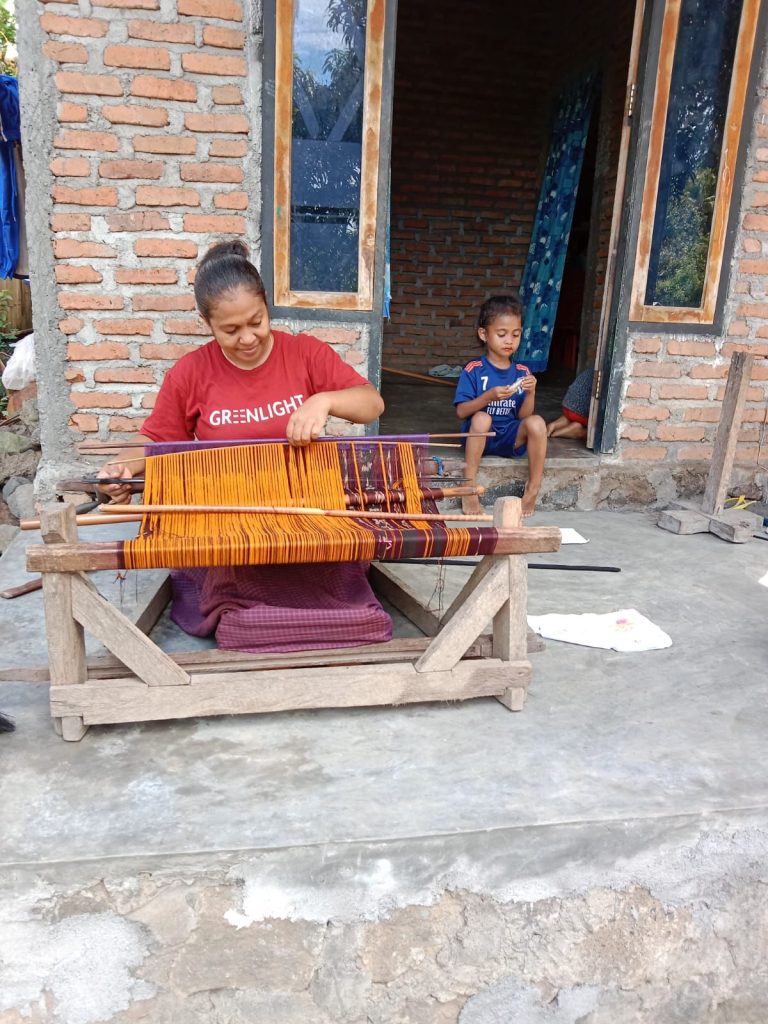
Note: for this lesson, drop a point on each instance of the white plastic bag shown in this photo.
(20, 369)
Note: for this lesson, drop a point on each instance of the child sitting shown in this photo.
(495, 394)
(573, 422)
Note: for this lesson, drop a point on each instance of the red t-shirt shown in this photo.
(207, 397)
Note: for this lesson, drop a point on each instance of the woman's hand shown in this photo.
(119, 493)
(308, 422)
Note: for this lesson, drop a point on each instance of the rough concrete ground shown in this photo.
(599, 858)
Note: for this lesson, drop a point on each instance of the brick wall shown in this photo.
(470, 136)
(674, 383)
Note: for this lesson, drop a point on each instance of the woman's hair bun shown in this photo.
(232, 247)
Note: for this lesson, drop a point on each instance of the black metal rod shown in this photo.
(531, 565)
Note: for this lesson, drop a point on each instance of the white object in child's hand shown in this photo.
(625, 630)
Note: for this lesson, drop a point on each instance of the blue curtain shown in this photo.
(540, 288)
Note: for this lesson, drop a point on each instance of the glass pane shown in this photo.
(328, 64)
(693, 139)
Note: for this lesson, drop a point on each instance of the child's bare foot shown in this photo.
(529, 500)
(470, 505)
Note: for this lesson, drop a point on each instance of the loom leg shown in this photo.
(510, 626)
(66, 640)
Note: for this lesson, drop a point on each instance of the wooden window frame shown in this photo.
(284, 296)
(740, 79)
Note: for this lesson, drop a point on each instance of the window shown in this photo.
(329, 67)
(704, 61)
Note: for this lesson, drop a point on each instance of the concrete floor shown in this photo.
(634, 779)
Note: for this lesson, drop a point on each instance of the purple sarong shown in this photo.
(280, 607)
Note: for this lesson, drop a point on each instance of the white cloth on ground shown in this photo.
(624, 630)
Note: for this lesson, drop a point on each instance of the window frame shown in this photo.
(284, 296)
(705, 313)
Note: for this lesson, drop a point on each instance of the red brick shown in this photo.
(161, 32)
(224, 10)
(699, 453)
(753, 266)
(70, 325)
(337, 335)
(646, 345)
(762, 332)
(150, 275)
(80, 139)
(228, 38)
(708, 371)
(70, 167)
(79, 353)
(124, 375)
(703, 414)
(635, 433)
(84, 422)
(70, 222)
(184, 144)
(686, 392)
(669, 432)
(125, 424)
(99, 196)
(648, 453)
(142, 327)
(188, 327)
(66, 53)
(152, 195)
(657, 369)
(146, 57)
(754, 394)
(757, 309)
(130, 169)
(228, 95)
(89, 85)
(150, 117)
(63, 25)
(164, 302)
(690, 348)
(166, 350)
(71, 112)
(208, 222)
(85, 300)
(228, 147)
(148, 401)
(643, 412)
(142, 5)
(756, 222)
(212, 64)
(73, 248)
(149, 87)
(231, 201)
(734, 346)
(236, 124)
(638, 390)
(760, 198)
(217, 173)
(74, 376)
(739, 329)
(178, 247)
(67, 274)
(99, 400)
(142, 220)
(751, 244)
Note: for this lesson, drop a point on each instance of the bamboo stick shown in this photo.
(420, 376)
(257, 510)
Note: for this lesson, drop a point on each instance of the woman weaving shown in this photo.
(251, 382)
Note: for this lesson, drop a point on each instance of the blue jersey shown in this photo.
(479, 376)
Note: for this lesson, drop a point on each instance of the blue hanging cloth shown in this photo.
(10, 135)
(543, 274)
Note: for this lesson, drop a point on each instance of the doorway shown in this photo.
(473, 106)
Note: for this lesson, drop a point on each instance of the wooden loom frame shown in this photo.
(139, 682)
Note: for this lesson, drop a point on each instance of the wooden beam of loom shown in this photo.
(456, 663)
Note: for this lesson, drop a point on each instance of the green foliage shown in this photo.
(7, 41)
(684, 251)
(8, 334)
